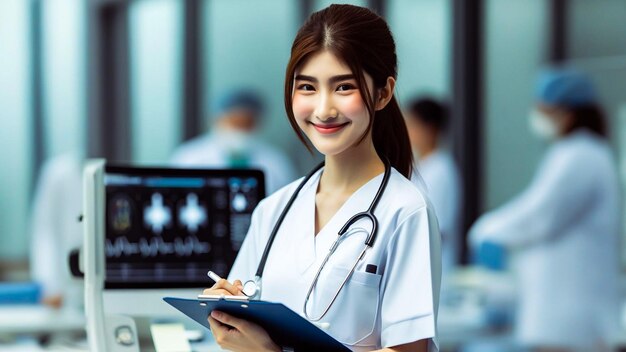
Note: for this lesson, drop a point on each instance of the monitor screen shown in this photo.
(165, 228)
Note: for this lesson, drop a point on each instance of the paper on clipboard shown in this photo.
(285, 327)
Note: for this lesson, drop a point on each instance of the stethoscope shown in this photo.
(252, 288)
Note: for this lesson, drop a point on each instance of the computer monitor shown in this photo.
(164, 228)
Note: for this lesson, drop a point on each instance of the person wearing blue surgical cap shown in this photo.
(233, 143)
(562, 231)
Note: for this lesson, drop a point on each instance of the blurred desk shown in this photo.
(476, 305)
(21, 325)
(38, 319)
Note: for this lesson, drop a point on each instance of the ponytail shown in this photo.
(391, 138)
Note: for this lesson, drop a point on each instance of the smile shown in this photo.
(329, 128)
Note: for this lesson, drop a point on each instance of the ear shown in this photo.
(385, 94)
(564, 120)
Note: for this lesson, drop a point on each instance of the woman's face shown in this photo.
(328, 106)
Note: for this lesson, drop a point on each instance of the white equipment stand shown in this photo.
(106, 332)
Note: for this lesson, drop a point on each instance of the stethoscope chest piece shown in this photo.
(252, 288)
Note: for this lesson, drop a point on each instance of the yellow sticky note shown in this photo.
(169, 338)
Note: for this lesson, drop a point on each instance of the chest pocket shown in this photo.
(353, 315)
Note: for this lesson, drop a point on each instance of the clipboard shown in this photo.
(285, 327)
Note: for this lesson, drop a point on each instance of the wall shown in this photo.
(155, 47)
(63, 104)
(247, 45)
(423, 34)
(15, 117)
(63, 75)
(515, 43)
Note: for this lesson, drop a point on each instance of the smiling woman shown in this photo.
(341, 43)
(376, 285)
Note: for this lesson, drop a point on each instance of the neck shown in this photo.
(347, 172)
(426, 149)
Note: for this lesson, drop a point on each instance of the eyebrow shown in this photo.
(331, 80)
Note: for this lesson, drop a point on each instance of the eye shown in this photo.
(306, 87)
(345, 87)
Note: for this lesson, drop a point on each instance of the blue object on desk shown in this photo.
(20, 293)
(491, 255)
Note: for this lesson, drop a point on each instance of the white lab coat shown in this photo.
(443, 185)
(211, 150)
(564, 230)
(55, 227)
(396, 305)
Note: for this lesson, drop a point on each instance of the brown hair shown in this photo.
(363, 41)
(591, 117)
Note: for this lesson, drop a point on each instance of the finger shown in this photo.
(218, 330)
(239, 285)
(227, 286)
(217, 292)
(222, 288)
(239, 324)
(214, 324)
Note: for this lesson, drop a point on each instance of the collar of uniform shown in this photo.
(313, 248)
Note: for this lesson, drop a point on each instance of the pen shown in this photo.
(213, 276)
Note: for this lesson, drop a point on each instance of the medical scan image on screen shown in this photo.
(168, 230)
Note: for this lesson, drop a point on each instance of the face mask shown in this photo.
(237, 146)
(541, 125)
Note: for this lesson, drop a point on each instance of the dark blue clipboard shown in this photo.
(285, 327)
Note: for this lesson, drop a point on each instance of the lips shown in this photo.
(329, 128)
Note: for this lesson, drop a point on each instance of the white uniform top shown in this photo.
(443, 185)
(55, 227)
(211, 150)
(565, 228)
(396, 305)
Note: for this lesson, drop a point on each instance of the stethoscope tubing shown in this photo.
(281, 218)
(343, 283)
(369, 242)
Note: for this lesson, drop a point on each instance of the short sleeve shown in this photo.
(411, 283)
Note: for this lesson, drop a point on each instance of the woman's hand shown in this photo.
(239, 335)
(223, 287)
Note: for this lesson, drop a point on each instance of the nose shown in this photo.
(325, 110)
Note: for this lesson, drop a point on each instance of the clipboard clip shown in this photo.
(223, 297)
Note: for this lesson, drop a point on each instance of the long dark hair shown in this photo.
(362, 40)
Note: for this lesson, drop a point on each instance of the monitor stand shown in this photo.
(121, 334)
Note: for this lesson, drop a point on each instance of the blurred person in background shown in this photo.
(56, 231)
(563, 229)
(427, 121)
(233, 143)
